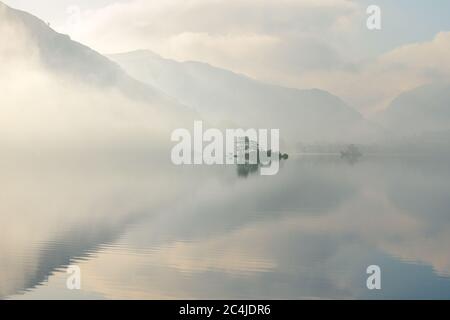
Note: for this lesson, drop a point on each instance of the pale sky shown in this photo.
(297, 43)
(407, 20)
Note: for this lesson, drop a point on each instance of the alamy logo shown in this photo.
(374, 19)
(74, 280)
(236, 146)
(374, 280)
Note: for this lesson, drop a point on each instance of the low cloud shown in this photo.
(301, 43)
(39, 104)
(372, 85)
(260, 38)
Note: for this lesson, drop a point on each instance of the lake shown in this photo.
(139, 227)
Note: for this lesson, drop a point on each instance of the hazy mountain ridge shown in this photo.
(68, 58)
(57, 90)
(222, 97)
(423, 110)
(226, 97)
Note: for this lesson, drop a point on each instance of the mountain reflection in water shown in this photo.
(139, 227)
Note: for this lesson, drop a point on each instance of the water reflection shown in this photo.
(141, 228)
(244, 170)
(249, 157)
(351, 154)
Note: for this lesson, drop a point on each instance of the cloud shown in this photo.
(41, 103)
(297, 43)
(254, 37)
(427, 59)
(373, 84)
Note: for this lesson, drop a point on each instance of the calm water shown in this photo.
(139, 227)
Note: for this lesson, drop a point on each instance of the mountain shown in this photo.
(66, 58)
(422, 111)
(224, 98)
(227, 98)
(56, 88)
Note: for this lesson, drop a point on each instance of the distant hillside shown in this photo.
(71, 59)
(57, 87)
(227, 98)
(423, 110)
